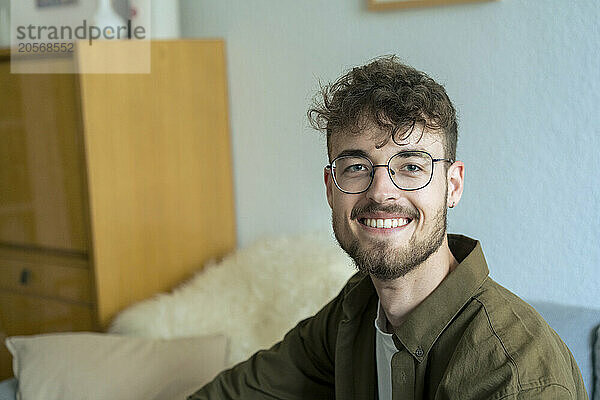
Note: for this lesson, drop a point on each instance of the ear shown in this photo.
(328, 186)
(456, 181)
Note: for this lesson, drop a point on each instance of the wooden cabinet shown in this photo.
(41, 169)
(113, 187)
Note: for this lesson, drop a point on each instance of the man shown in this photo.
(421, 319)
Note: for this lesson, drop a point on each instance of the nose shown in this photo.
(382, 188)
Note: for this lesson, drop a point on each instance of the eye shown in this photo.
(411, 168)
(356, 168)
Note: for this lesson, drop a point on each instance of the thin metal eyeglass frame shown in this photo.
(387, 166)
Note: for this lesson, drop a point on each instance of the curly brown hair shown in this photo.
(392, 95)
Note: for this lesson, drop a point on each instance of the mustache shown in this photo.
(391, 209)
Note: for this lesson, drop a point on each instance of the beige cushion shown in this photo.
(80, 366)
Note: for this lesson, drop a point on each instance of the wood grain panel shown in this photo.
(26, 314)
(159, 170)
(16, 210)
(5, 359)
(41, 203)
(57, 280)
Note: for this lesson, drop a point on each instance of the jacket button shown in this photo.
(419, 352)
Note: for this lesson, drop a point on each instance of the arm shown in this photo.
(300, 366)
(550, 391)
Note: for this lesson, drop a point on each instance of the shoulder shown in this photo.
(349, 299)
(511, 349)
(519, 329)
(354, 281)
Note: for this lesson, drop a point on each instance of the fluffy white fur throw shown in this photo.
(254, 296)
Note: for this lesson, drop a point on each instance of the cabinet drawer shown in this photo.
(65, 279)
(26, 315)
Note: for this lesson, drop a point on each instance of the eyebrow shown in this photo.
(353, 152)
(362, 153)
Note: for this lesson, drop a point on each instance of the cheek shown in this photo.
(429, 202)
(343, 204)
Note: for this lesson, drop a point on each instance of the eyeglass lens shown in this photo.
(408, 170)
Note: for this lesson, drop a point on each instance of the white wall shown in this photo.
(164, 14)
(524, 75)
(27, 13)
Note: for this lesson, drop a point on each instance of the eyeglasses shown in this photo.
(408, 170)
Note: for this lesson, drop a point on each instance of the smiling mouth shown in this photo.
(384, 223)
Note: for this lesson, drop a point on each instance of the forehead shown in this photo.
(370, 139)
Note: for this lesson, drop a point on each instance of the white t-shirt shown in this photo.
(384, 351)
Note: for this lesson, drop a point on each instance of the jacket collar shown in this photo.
(426, 322)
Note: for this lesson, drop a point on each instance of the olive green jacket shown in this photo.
(469, 339)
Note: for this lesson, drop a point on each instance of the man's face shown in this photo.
(389, 253)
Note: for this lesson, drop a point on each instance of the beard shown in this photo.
(381, 259)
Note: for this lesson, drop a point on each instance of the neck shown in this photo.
(400, 296)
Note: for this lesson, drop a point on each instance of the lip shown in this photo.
(382, 215)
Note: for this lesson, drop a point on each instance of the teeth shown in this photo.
(385, 223)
